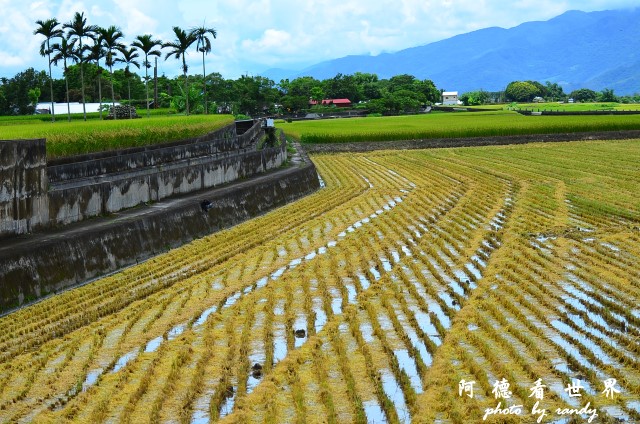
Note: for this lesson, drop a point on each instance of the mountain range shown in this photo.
(593, 50)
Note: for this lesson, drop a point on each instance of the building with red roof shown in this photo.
(334, 102)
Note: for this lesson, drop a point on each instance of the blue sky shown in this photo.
(255, 35)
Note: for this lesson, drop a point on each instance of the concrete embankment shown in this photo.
(36, 265)
(37, 260)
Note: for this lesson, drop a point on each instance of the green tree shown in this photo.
(317, 94)
(341, 87)
(542, 90)
(475, 98)
(179, 48)
(584, 95)
(521, 91)
(112, 41)
(428, 90)
(402, 101)
(65, 51)
(49, 29)
(302, 86)
(19, 92)
(203, 45)
(401, 82)
(147, 45)
(34, 95)
(78, 29)
(607, 95)
(554, 91)
(128, 58)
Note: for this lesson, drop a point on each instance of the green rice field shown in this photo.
(79, 137)
(451, 125)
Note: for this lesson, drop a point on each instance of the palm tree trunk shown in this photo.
(100, 87)
(53, 111)
(204, 78)
(129, 88)
(66, 81)
(186, 82)
(113, 96)
(84, 109)
(146, 81)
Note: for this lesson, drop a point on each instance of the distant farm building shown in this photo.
(333, 102)
(449, 97)
(74, 107)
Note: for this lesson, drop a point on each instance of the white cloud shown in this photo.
(256, 34)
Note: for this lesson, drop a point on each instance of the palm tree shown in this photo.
(49, 29)
(148, 46)
(97, 52)
(203, 44)
(179, 48)
(129, 58)
(111, 41)
(65, 50)
(78, 29)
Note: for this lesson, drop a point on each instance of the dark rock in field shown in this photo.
(300, 333)
(123, 112)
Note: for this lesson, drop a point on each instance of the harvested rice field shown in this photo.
(451, 285)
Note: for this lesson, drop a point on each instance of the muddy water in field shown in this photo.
(408, 365)
(279, 334)
(280, 346)
(393, 391)
(229, 402)
(373, 412)
(124, 360)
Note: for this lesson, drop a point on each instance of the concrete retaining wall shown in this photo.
(32, 268)
(36, 195)
(23, 186)
(78, 200)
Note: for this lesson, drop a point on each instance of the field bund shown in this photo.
(141, 202)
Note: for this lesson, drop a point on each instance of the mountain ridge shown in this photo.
(576, 49)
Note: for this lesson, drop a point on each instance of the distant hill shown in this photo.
(576, 49)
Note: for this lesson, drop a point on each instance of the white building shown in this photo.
(74, 107)
(449, 97)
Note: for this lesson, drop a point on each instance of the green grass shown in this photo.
(79, 137)
(450, 125)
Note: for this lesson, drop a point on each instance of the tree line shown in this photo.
(88, 55)
(77, 42)
(527, 91)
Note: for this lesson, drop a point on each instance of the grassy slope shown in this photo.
(78, 137)
(441, 125)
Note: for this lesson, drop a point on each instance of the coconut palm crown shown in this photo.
(147, 45)
(128, 58)
(203, 45)
(178, 49)
(49, 29)
(77, 29)
(112, 42)
(65, 51)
